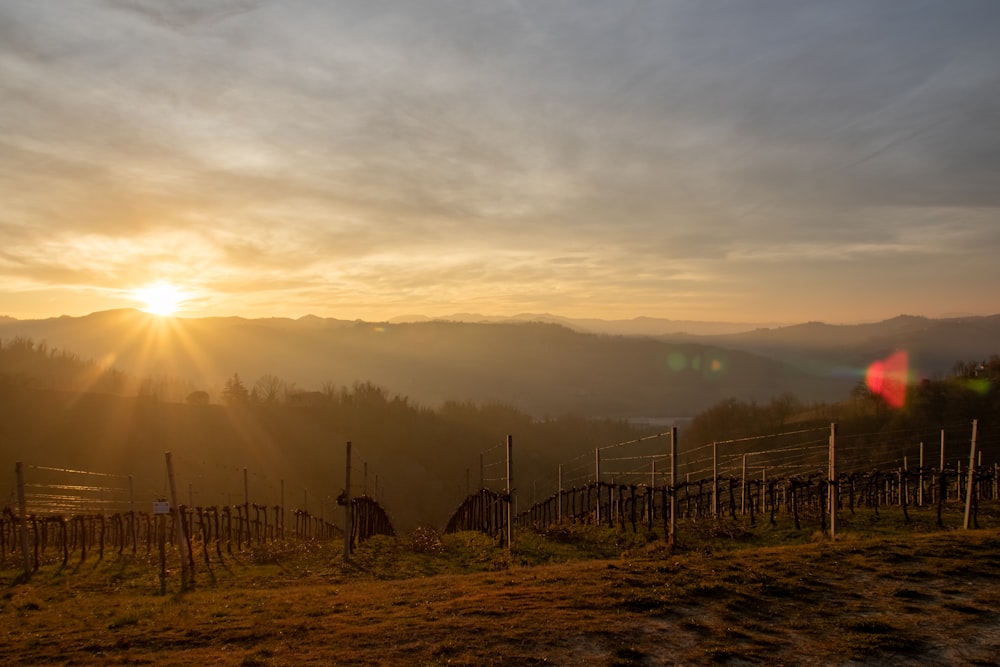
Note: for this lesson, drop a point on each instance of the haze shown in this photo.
(780, 161)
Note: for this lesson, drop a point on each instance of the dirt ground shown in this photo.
(923, 600)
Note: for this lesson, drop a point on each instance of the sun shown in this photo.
(160, 298)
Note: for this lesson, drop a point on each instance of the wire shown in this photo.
(635, 441)
(78, 472)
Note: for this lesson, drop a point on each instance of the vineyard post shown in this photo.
(972, 472)
(560, 497)
(510, 491)
(996, 481)
(482, 473)
(958, 479)
(942, 450)
(715, 479)
(672, 530)
(178, 521)
(22, 510)
(347, 504)
(131, 511)
(597, 480)
(161, 537)
(903, 489)
(650, 509)
(833, 481)
(246, 503)
(942, 490)
(281, 504)
(743, 488)
(920, 477)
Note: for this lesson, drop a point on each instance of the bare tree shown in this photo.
(269, 389)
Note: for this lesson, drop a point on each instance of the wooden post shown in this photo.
(715, 479)
(281, 505)
(347, 505)
(942, 450)
(482, 476)
(972, 472)
(364, 487)
(22, 510)
(920, 478)
(178, 521)
(559, 496)
(246, 503)
(597, 480)
(132, 519)
(672, 532)
(833, 481)
(996, 481)
(510, 490)
(161, 536)
(743, 488)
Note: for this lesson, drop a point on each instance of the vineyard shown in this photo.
(803, 477)
(59, 514)
(808, 476)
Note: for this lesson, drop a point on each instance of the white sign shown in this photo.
(161, 507)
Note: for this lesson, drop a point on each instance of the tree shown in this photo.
(235, 392)
(863, 394)
(268, 390)
(197, 398)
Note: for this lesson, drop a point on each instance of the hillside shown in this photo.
(541, 369)
(933, 345)
(919, 599)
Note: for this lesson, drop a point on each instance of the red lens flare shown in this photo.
(888, 378)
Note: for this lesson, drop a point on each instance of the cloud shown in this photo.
(419, 142)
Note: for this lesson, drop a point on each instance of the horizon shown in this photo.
(791, 163)
(472, 318)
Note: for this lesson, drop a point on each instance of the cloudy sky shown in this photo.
(727, 161)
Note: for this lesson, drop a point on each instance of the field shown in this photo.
(883, 593)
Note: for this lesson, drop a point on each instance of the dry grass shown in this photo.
(925, 598)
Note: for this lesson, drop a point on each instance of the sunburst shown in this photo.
(160, 298)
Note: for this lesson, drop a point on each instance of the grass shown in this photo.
(885, 592)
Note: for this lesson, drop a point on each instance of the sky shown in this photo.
(762, 161)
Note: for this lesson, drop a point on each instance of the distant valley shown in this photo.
(541, 368)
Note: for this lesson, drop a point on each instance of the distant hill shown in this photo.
(539, 368)
(933, 345)
(636, 326)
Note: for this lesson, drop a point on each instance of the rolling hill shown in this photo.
(538, 368)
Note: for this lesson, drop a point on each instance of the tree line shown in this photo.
(972, 391)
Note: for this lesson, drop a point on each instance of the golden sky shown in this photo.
(754, 162)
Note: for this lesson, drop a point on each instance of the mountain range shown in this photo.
(542, 365)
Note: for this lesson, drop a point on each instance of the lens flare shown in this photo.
(888, 378)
